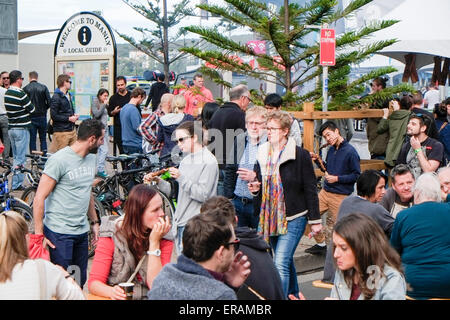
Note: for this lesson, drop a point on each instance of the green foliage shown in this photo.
(289, 43)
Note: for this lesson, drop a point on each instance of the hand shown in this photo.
(314, 156)
(73, 118)
(117, 293)
(159, 230)
(246, 175)
(415, 143)
(292, 297)
(47, 242)
(385, 113)
(395, 105)
(331, 179)
(174, 172)
(95, 230)
(116, 110)
(316, 228)
(150, 177)
(239, 270)
(254, 186)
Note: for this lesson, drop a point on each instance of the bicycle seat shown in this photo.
(121, 157)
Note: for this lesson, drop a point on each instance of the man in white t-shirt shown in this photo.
(431, 97)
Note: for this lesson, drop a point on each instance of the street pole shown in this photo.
(325, 81)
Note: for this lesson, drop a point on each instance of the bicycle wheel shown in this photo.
(25, 210)
(100, 213)
(28, 195)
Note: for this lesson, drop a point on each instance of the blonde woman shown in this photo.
(169, 122)
(26, 279)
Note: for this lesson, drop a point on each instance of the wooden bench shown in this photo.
(321, 284)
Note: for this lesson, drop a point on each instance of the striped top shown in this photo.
(18, 108)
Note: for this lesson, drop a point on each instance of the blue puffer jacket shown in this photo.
(60, 111)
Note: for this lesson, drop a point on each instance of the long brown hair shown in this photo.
(132, 229)
(13, 243)
(370, 247)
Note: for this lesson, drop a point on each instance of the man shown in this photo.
(156, 91)
(240, 172)
(421, 153)
(183, 87)
(431, 97)
(130, 119)
(444, 179)
(417, 108)
(343, 169)
(227, 123)
(273, 102)
(377, 142)
(40, 97)
(5, 81)
(63, 115)
(3, 117)
(201, 271)
(116, 102)
(370, 190)
(65, 187)
(18, 109)
(421, 237)
(400, 195)
(264, 280)
(197, 96)
(149, 127)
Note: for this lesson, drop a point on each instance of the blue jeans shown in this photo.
(38, 125)
(284, 248)
(245, 213)
(179, 240)
(20, 141)
(71, 250)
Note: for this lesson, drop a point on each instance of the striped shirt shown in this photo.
(18, 108)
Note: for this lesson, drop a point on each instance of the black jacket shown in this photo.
(264, 277)
(298, 179)
(40, 98)
(227, 117)
(60, 110)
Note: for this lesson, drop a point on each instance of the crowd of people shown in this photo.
(246, 194)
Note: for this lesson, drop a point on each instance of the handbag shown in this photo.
(35, 248)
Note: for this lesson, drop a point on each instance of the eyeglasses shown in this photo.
(180, 140)
(249, 99)
(271, 129)
(255, 123)
(69, 81)
(5, 78)
(235, 244)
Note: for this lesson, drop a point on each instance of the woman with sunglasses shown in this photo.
(197, 177)
(287, 193)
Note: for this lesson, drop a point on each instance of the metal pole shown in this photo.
(325, 88)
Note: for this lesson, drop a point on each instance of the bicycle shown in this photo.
(33, 175)
(10, 202)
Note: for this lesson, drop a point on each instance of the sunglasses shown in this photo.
(5, 78)
(180, 140)
(235, 244)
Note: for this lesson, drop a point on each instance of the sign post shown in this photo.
(327, 58)
(85, 49)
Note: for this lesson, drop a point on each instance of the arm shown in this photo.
(45, 187)
(309, 187)
(355, 170)
(55, 110)
(396, 240)
(48, 99)
(93, 216)
(111, 107)
(200, 190)
(101, 267)
(27, 104)
(383, 126)
(154, 263)
(148, 128)
(394, 288)
(66, 288)
(230, 175)
(427, 165)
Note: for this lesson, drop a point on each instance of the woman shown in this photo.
(287, 193)
(197, 177)
(131, 246)
(169, 122)
(368, 267)
(24, 279)
(99, 110)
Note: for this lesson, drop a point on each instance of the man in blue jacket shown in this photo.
(342, 171)
(130, 119)
(63, 115)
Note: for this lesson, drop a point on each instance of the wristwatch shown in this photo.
(156, 253)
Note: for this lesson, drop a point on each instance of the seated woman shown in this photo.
(420, 235)
(126, 241)
(197, 177)
(24, 279)
(368, 268)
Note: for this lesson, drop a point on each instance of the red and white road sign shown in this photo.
(327, 47)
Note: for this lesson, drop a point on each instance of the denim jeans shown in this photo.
(220, 186)
(284, 248)
(102, 153)
(20, 141)
(5, 136)
(71, 250)
(245, 213)
(179, 240)
(38, 125)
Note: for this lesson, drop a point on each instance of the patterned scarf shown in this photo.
(272, 220)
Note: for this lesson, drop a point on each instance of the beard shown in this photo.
(93, 150)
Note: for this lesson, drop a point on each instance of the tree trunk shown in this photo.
(166, 44)
(287, 71)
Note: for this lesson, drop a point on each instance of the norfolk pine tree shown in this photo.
(285, 32)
